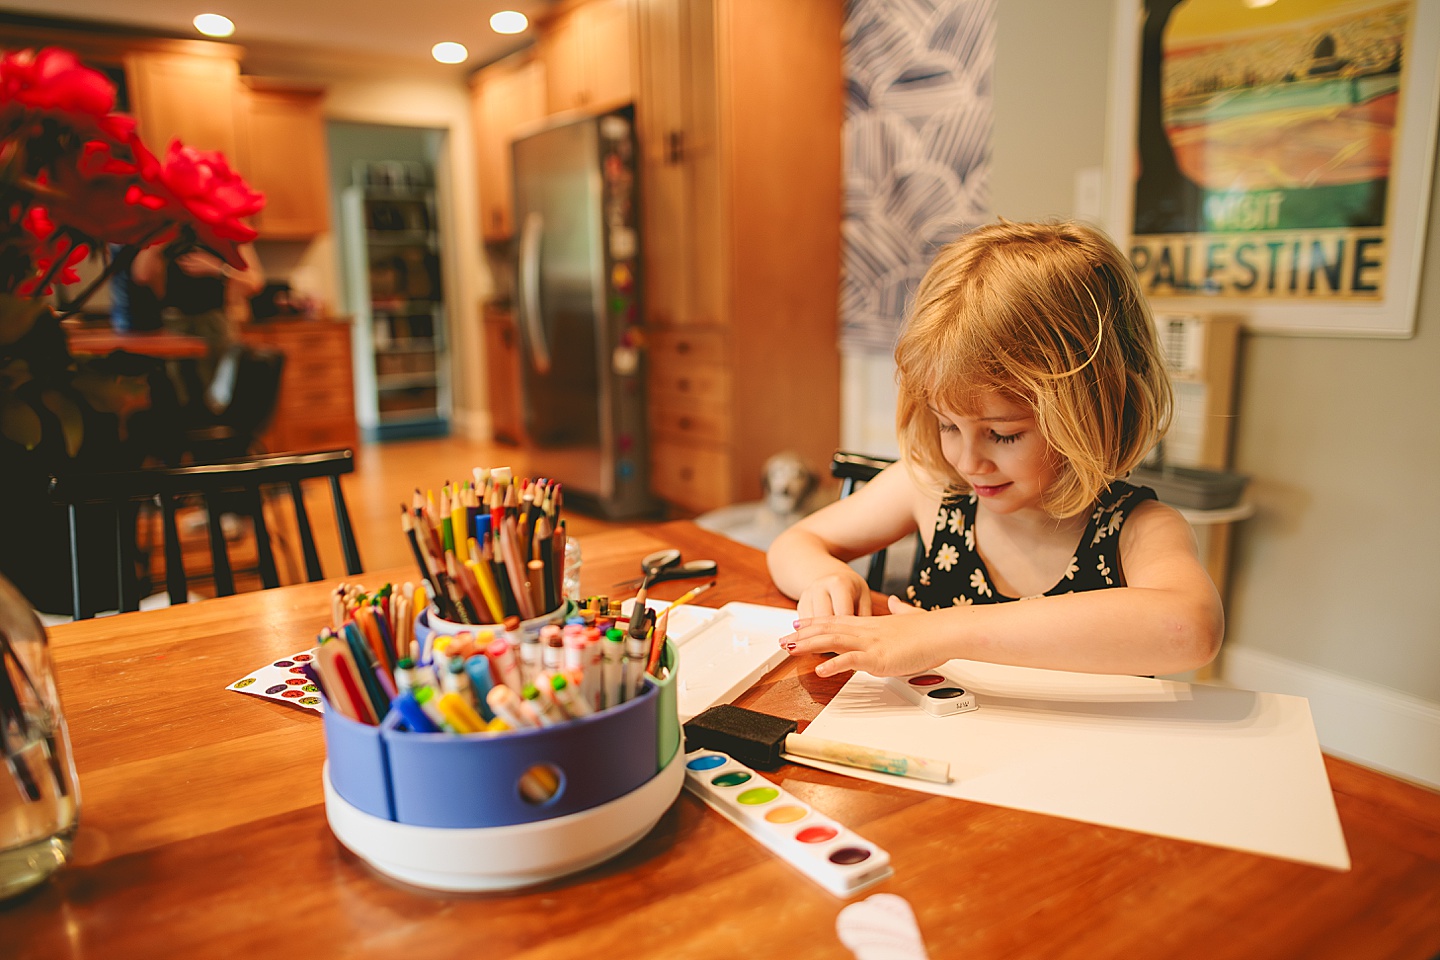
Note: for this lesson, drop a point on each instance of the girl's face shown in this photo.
(999, 451)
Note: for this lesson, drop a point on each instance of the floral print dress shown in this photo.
(952, 574)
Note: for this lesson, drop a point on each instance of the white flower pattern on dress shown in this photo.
(953, 558)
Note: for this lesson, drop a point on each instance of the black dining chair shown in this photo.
(853, 470)
(226, 485)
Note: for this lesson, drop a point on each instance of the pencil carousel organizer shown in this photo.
(450, 811)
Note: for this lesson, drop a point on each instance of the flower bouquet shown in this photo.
(75, 178)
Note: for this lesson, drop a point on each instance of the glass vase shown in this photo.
(39, 796)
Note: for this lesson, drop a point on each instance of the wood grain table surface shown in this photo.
(203, 834)
(160, 344)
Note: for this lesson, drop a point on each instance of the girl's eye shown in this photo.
(948, 427)
(1006, 438)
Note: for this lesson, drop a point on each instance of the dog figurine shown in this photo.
(787, 484)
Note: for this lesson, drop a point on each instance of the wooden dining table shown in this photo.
(203, 833)
(90, 340)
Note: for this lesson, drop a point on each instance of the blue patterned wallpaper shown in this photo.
(918, 116)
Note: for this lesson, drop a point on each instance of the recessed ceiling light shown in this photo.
(214, 25)
(508, 21)
(449, 52)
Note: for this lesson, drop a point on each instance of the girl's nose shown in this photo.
(972, 459)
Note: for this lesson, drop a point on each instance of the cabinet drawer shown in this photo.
(687, 418)
(695, 477)
(310, 398)
(698, 383)
(320, 433)
(688, 347)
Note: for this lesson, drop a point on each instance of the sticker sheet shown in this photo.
(283, 680)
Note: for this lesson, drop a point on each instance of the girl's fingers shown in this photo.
(900, 607)
(863, 608)
(837, 665)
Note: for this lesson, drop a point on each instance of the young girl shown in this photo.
(1030, 385)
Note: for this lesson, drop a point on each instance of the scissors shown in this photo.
(665, 565)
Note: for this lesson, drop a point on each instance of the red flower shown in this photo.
(54, 80)
(63, 251)
(209, 192)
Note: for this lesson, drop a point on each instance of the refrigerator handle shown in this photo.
(530, 324)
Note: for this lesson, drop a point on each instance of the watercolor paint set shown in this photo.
(825, 851)
(933, 692)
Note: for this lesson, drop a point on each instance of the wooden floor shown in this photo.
(386, 477)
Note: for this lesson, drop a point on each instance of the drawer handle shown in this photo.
(682, 347)
(687, 473)
(683, 383)
(685, 423)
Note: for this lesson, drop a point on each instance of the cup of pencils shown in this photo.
(491, 551)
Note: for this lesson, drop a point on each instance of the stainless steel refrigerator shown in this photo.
(578, 287)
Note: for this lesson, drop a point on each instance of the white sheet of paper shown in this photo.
(722, 652)
(1229, 768)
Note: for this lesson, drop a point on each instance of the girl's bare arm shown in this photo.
(1167, 619)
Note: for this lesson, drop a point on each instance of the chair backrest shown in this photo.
(246, 392)
(854, 469)
(223, 485)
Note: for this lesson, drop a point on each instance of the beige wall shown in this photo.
(1340, 568)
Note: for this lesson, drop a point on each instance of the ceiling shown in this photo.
(391, 32)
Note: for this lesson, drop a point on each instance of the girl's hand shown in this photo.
(835, 594)
(881, 646)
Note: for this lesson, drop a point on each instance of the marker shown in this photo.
(503, 667)
(612, 653)
(552, 652)
(546, 707)
(425, 697)
(478, 668)
(460, 715)
(415, 718)
(508, 707)
(569, 697)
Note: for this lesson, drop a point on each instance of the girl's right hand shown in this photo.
(836, 595)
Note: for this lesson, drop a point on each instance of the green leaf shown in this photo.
(17, 317)
(19, 423)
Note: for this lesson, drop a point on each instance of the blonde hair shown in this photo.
(1051, 315)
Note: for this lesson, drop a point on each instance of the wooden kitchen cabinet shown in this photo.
(739, 112)
(194, 96)
(502, 360)
(282, 154)
(588, 57)
(316, 408)
(506, 97)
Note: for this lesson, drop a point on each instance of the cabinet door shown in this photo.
(507, 98)
(192, 97)
(608, 56)
(685, 253)
(502, 357)
(563, 48)
(283, 155)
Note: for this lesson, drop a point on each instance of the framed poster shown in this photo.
(1273, 158)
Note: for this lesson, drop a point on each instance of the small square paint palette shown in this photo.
(933, 692)
(825, 851)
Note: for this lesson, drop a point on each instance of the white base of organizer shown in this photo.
(503, 858)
